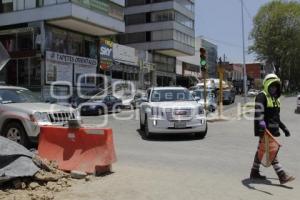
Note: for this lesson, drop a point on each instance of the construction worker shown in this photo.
(267, 116)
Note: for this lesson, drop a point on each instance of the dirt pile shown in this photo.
(41, 186)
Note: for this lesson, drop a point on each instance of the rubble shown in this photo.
(42, 186)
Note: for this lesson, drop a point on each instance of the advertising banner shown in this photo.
(106, 54)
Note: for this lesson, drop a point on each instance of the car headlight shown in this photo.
(40, 117)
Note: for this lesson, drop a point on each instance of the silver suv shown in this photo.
(22, 114)
(172, 110)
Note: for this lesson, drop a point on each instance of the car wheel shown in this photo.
(142, 126)
(147, 133)
(15, 132)
(201, 135)
(101, 111)
(118, 109)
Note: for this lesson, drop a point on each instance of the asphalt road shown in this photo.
(180, 167)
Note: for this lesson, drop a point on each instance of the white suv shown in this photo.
(22, 114)
(172, 110)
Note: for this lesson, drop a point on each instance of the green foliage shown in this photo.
(276, 36)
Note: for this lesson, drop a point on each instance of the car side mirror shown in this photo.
(197, 98)
(144, 99)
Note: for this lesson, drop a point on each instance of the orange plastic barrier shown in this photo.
(268, 149)
(90, 150)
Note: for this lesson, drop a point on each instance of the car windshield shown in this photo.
(171, 95)
(17, 96)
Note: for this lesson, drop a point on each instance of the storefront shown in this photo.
(43, 54)
(125, 64)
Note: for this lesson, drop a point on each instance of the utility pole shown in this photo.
(244, 56)
(220, 96)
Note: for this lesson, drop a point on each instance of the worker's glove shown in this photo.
(262, 125)
(286, 132)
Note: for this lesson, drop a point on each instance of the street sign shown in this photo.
(4, 56)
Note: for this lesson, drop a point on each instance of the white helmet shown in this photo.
(269, 76)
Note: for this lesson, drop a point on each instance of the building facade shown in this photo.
(164, 28)
(56, 41)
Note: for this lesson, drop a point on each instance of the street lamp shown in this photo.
(244, 56)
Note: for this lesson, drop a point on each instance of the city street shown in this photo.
(180, 167)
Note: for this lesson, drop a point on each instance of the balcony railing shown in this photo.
(102, 6)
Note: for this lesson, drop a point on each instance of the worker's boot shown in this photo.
(256, 175)
(285, 178)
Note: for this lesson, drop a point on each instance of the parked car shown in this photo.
(252, 93)
(76, 100)
(101, 105)
(211, 103)
(172, 110)
(138, 99)
(298, 104)
(22, 114)
(228, 96)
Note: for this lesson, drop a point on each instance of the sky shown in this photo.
(220, 22)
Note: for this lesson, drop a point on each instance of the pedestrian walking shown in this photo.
(267, 116)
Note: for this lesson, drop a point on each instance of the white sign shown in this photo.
(65, 58)
(58, 71)
(125, 54)
(4, 56)
(80, 71)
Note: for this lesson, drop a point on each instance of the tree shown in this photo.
(276, 36)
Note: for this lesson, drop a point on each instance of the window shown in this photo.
(164, 63)
(183, 38)
(162, 16)
(133, 38)
(162, 35)
(183, 20)
(187, 4)
(9, 42)
(11, 75)
(25, 41)
(56, 40)
(23, 72)
(135, 2)
(90, 48)
(135, 19)
(6, 6)
(35, 71)
(74, 44)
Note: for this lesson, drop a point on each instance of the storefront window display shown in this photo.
(25, 41)
(35, 71)
(68, 42)
(23, 72)
(56, 40)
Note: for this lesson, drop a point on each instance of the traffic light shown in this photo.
(203, 62)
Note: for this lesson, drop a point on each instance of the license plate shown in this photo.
(180, 125)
